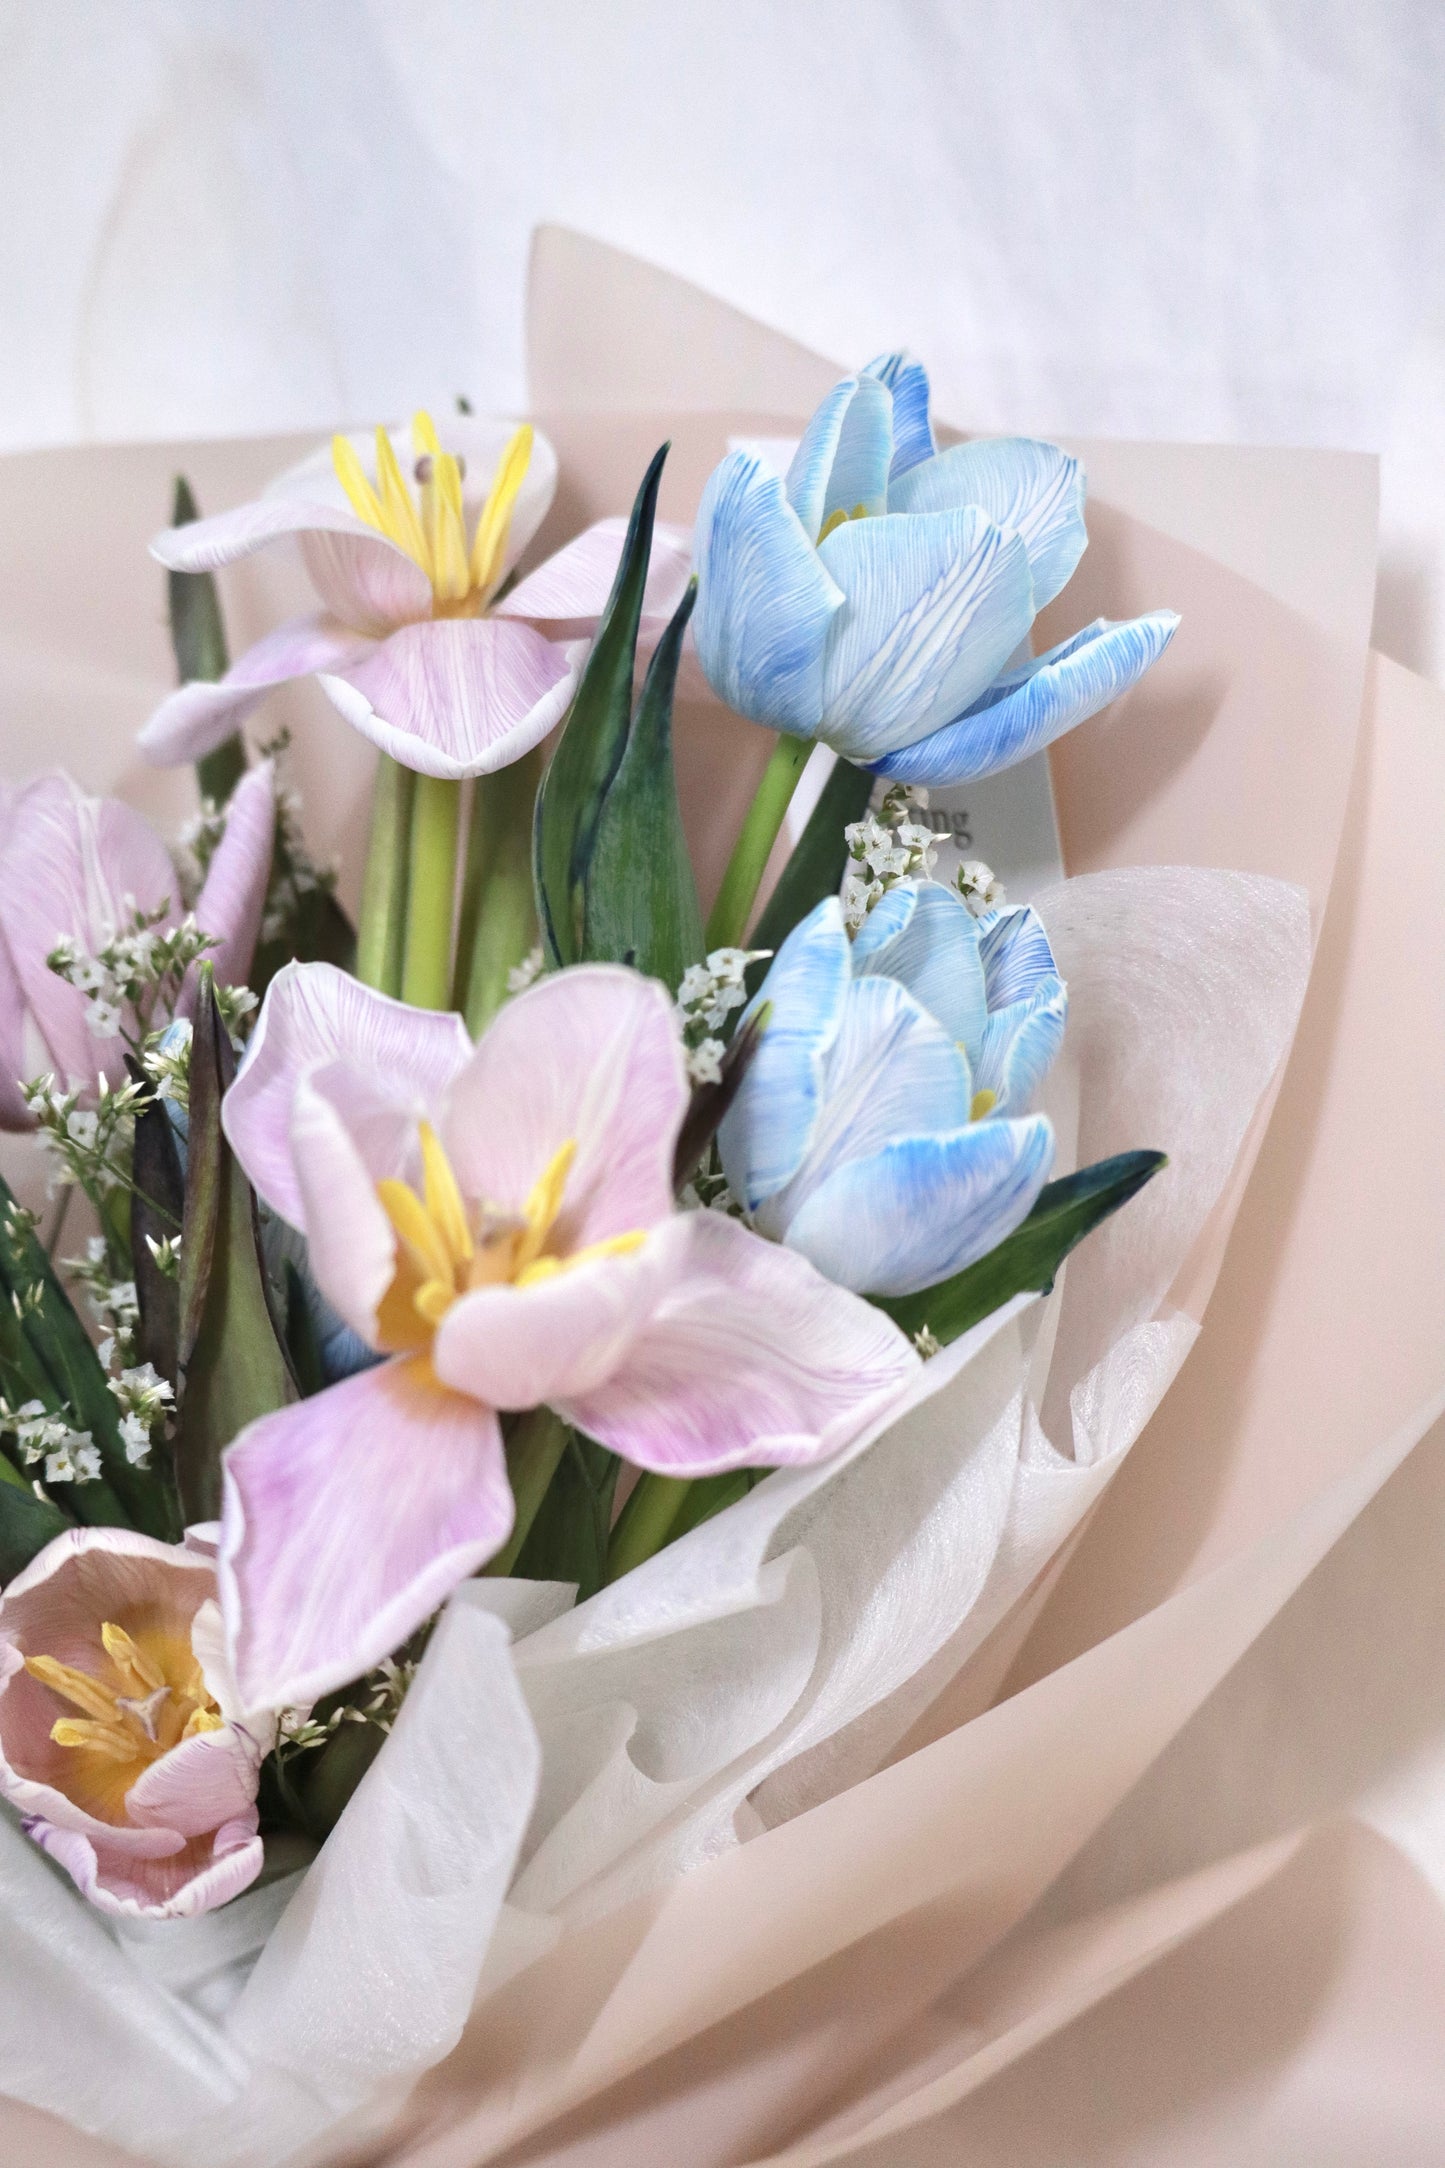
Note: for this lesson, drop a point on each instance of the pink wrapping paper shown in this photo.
(907, 1974)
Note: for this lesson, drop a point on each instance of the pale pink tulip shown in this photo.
(77, 867)
(498, 1221)
(120, 1741)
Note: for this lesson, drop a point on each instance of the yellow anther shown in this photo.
(352, 477)
(416, 1230)
(111, 1740)
(839, 518)
(399, 514)
(141, 1673)
(543, 1204)
(489, 549)
(77, 1687)
(424, 441)
(547, 1268)
(204, 1719)
(984, 1102)
(443, 1198)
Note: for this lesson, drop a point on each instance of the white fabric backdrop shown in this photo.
(1184, 218)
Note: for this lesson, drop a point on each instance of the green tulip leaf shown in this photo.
(198, 637)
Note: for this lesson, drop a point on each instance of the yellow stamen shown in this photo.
(544, 1202)
(415, 1229)
(352, 477)
(984, 1102)
(839, 518)
(546, 1268)
(142, 1674)
(490, 546)
(108, 1739)
(443, 1198)
(398, 512)
(77, 1687)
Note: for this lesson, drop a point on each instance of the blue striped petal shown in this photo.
(929, 943)
(935, 606)
(907, 379)
(1022, 483)
(923, 1207)
(1019, 1046)
(812, 463)
(764, 601)
(769, 1125)
(1016, 954)
(891, 1071)
(1029, 708)
(859, 480)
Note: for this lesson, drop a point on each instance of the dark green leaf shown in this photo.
(710, 1102)
(232, 1358)
(156, 1208)
(1028, 1259)
(713, 1494)
(640, 892)
(54, 1353)
(318, 932)
(198, 637)
(594, 737)
(27, 1523)
(819, 859)
(568, 1539)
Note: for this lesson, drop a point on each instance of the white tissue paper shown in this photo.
(552, 1761)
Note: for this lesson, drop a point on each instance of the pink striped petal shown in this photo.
(205, 545)
(200, 1876)
(201, 1785)
(364, 579)
(197, 717)
(68, 866)
(347, 1132)
(346, 1520)
(747, 1362)
(457, 696)
(568, 592)
(515, 1347)
(313, 1014)
(233, 898)
(590, 1055)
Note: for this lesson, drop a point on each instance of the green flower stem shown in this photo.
(426, 971)
(382, 922)
(731, 912)
(646, 1521)
(498, 923)
(536, 1445)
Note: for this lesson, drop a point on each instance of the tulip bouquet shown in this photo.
(528, 1261)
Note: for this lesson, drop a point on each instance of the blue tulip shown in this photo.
(882, 1127)
(875, 597)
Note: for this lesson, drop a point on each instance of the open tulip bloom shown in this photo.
(540, 1268)
(876, 597)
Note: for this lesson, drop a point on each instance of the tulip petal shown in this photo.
(1019, 1046)
(751, 1360)
(766, 1131)
(67, 868)
(806, 481)
(907, 379)
(205, 545)
(929, 943)
(349, 1131)
(591, 1056)
(1029, 708)
(923, 1207)
(197, 1877)
(936, 605)
(891, 1071)
(199, 1786)
(516, 1347)
(197, 717)
(765, 600)
(457, 696)
(312, 1014)
(233, 896)
(858, 482)
(346, 1521)
(568, 592)
(1023, 484)
(1016, 954)
(14, 1065)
